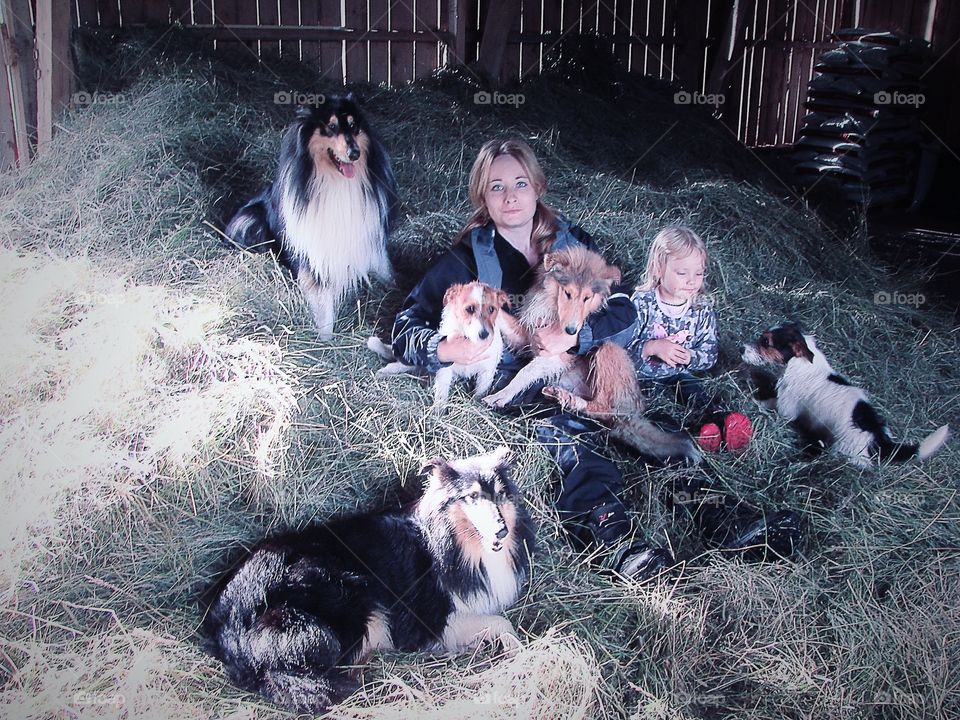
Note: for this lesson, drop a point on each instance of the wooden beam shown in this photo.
(731, 45)
(55, 80)
(318, 33)
(456, 26)
(493, 44)
(22, 71)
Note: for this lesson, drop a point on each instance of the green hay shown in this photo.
(165, 402)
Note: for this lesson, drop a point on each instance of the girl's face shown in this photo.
(509, 196)
(682, 278)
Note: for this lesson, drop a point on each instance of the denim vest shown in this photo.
(490, 273)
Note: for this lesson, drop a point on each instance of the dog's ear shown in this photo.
(801, 350)
(503, 456)
(502, 300)
(437, 467)
(451, 293)
(611, 273)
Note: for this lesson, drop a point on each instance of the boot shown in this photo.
(638, 561)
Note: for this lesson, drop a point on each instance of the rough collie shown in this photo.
(329, 209)
(303, 610)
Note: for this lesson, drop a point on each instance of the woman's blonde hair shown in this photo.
(544, 219)
(674, 241)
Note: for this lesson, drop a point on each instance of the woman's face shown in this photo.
(509, 196)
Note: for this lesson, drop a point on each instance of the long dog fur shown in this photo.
(329, 210)
(304, 607)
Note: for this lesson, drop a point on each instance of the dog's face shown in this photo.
(337, 138)
(478, 497)
(474, 308)
(778, 346)
(582, 281)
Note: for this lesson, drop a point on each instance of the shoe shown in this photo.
(709, 438)
(764, 538)
(641, 562)
(608, 524)
(737, 431)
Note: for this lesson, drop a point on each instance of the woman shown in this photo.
(501, 245)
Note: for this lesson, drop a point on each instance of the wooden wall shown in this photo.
(756, 56)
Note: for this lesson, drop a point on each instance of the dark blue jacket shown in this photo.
(487, 257)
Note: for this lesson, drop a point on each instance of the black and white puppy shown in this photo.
(822, 404)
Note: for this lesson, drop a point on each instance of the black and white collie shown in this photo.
(823, 405)
(303, 607)
(330, 208)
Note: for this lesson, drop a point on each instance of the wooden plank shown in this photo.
(531, 19)
(493, 44)
(331, 52)
(180, 11)
(691, 31)
(510, 71)
(290, 15)
(425, 53)
(225, 13)
(571, 17)
(773, 70)
(155, 14)
(109, 12)
(455, 23)
(379, 14)
(20, 61)
(307, 13)
(87, 13)
(55, 77)
(668, 44)
(202, 12)
(621, 24)
(356, 19)
(268, 14)
(9, 148)
(729, 53)
(401, 53)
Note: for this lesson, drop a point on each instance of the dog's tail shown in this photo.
(929, 447)
(256, 643)
(249, 229)
(655, 443)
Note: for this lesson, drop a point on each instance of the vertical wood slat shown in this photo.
(605, 19)
(155, 13)
(621, 26)
(691, 35)
(552, 24)
(10, 146)
(55, 77)
(21, 67)
(308, 12)
(669, 30)
(331, 51)
(426, 53)
(87, 13)
(268, 14)
(356, 19)
(510, 70)
(401, 53)
(132, 12)
(453, 19)
(774, 74)
(180, 11)
(291, 49)
(531, 19)
(109, 11)
(202, 11)
(379, 51)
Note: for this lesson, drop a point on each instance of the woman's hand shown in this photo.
(670, 352)
(552, 340)
(459, 349)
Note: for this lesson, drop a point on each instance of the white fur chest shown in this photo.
(337, 232)
(502, 586)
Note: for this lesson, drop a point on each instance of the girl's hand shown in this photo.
(667, 351)
(459, 349)
(552, 340)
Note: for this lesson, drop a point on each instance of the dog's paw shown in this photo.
(564, 397)
(497, 400)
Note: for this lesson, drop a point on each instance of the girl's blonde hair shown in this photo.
(544, 219)
(674, 241)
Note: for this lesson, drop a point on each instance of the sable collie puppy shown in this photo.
(571, 285)
(304, 609)
(479, 313)
(822, 404)
(329, 209)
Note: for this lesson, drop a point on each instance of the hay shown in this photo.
(165, 401)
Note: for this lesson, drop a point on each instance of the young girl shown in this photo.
(677, 336)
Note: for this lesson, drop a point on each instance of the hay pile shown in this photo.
(164, 401)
